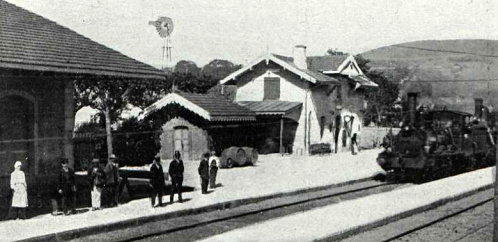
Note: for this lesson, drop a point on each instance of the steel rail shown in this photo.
(256, 211)
(418, 228)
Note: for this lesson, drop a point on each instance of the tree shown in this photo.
(185, 66)
(219, 69)
(382, 100)
(108, 95)
(331, 51)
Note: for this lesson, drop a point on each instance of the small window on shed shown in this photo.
(272, 88)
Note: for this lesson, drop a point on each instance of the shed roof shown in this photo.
(31, 42)
(269, 107)
(208, 106)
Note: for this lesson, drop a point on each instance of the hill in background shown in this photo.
(447, 73)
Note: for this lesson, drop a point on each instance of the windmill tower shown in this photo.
(164, 27)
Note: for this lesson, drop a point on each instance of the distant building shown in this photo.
(39, 60)
(315, 99)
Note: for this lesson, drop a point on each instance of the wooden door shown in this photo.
(181, 142)
(16, 133)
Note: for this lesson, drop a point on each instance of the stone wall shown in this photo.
(371, 137)
(197, 139)
(46, 94)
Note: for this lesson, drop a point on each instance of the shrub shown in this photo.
(136, 143)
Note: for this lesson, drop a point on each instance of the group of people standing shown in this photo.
(157, 179)
(208, 170)
(104, 180)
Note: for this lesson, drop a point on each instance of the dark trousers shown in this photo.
(156, 192)
(112, 194)
(68, 201)
(176, 187)
(204, 184)
(15, 212)
(212, 177)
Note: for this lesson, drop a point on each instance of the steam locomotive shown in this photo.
(439, 143)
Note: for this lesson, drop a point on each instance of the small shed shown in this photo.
(196, 123)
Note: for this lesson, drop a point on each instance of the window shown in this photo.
(272, 88)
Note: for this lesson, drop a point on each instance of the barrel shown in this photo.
(233, 156)
(251, 154)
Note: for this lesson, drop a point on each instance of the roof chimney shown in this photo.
(300, 57)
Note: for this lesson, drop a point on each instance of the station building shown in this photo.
(39, 60)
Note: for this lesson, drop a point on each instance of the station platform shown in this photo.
(273, 176)
(335, 222)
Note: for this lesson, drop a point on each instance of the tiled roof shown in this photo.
(31, 42)
(325, 63)
(210, 107)
(315, 74)
(270, 106)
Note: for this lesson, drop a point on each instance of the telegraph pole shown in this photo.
(495, 201)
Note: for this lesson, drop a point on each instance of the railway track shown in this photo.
(438, 220)
(194, 227)
(454, 221)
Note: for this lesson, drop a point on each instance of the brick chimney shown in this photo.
(300, 57)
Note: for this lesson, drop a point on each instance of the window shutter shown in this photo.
(272, 88)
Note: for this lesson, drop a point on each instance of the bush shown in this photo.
(136, 143)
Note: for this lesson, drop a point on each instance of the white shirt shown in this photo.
(218, 163)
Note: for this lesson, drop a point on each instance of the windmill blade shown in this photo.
(164, 26)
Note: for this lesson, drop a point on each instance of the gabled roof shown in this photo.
(208, 106)
(270, 107)
(287, 64)
(31, 42)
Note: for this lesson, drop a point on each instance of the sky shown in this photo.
(242, 30)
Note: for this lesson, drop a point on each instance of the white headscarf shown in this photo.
(17, 164)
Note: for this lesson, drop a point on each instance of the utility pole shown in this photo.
(495, 227)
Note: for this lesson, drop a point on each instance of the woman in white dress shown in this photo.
(20, 196)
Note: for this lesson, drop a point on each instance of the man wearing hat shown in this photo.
(112, 180)
(96, 176)
(67, 187)
(157, 181)
(175, 170)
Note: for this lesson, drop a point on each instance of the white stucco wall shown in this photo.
(316, 101)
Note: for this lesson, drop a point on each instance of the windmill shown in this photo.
(164, 27)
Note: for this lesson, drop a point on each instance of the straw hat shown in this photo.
(17, 164)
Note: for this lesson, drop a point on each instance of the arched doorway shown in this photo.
(17, 133)
(181, 141)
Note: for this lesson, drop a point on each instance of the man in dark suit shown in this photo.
(157, 181)
(67, 188)
(176, 172)
(112, 174)
(204, 172)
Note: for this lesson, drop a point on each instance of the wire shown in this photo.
(468, 80)
(444, 51)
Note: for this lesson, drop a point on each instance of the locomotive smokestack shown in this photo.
(478, 108)
(412, 106)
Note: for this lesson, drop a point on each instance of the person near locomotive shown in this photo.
(67, 188)
(214, 165)
(20, 193)
(176, 173)
(204, 172)
(111, 187)
(157, 181)
(97, 178)
(354, 144)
